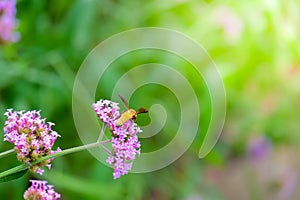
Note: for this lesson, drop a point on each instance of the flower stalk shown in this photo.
(57, 154)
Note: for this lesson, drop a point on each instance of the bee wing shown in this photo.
(124, 101)
(142, 110)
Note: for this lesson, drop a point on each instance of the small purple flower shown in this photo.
(125, 143)
(8, 21)
(39, 190)
(259, 147)
(32, 136)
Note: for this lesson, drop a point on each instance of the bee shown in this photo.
(129, 114)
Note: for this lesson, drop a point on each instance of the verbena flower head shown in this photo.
(8, 21)
(125, 147)
(125, 143)
(107, 111)
(32, 136)
(39, 190)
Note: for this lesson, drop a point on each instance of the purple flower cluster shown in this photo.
(40, 190)
(125, 143)
(126, 146)
(8, 21)
(32, 136)
(107, 111)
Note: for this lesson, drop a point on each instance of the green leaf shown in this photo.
(84, 187)
(13, 176)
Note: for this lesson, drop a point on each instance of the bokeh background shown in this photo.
(255, 45)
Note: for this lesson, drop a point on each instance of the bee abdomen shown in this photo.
(123, 118)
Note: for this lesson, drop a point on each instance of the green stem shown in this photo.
(7, 153)
(71, 150)
(13, 170)
(64, 152)
(102, 132)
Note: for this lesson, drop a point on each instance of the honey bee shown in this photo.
(129, 114)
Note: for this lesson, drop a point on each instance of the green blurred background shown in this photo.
(255, 45)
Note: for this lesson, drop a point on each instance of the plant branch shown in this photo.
(57, 154)
(102, 132)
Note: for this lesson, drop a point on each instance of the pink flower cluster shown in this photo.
(7, 21)
(40, 190)
(32, 136)
(125, 143)
(125, 146)
(107, 111)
